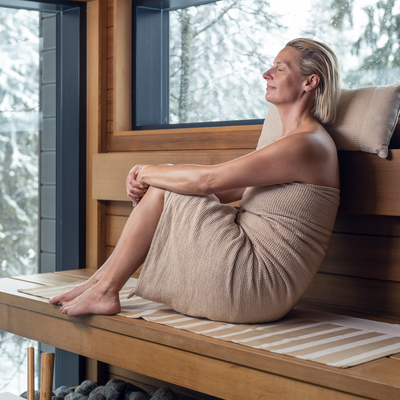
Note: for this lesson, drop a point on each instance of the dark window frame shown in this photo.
(150, 67)
(70, 150)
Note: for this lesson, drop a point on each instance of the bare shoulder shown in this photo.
(313, 155)
(316, 144)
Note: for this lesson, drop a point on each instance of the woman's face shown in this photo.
(285, 83)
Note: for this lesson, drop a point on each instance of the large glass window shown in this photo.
(218, 51)
(19, 166)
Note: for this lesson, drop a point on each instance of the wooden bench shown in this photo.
(360, 277)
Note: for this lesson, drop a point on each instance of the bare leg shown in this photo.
(82, 287)
(103, 296)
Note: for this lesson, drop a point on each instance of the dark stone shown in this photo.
(73, 396)
(139, 396)
(37, 395)
(98, 390)
(151, 394)
(86, 387)
(164, 394)
(114, 389)
(97, 396)
(62, 391)
(57, 398)
(130, 387)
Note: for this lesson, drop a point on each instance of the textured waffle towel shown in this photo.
(210, 260)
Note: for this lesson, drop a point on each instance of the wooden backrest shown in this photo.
(361, 271)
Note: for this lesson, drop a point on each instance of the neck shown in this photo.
(296, 118)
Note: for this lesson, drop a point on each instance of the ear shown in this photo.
(312, 82)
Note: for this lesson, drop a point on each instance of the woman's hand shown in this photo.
(134, 189)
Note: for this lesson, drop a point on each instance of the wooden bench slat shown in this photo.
(136, 342)
(48, 279)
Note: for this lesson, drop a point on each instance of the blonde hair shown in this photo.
(317, 58)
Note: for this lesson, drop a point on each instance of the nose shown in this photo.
(267, 74)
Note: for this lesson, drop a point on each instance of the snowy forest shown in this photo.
(218, 52)
(19, 140)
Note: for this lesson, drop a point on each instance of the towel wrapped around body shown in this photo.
(251, 265)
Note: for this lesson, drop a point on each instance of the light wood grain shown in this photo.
(31, 373)
(205, 374)
(47, 322)
(84, 273)
(46, 381)
(115, 225)
(48, 279)
(110, 170)
(221, 137)
(123, 208)
(122, 66)
(369, 185)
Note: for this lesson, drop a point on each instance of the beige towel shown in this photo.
(209, 260)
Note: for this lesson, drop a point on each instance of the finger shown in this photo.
(136, 192)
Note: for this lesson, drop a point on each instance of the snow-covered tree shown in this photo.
(19, 110)
(219, 50)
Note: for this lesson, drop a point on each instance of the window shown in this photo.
(202, 63)
(42, 154)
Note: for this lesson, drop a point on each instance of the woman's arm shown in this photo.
(304, 157)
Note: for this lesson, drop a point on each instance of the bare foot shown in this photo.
(94, 301)
(81, 288)
(73, 293)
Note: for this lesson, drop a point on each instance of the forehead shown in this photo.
(289, 56)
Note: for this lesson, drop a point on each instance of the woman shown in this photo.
(203, 257)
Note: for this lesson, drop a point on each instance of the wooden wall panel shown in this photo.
(122, 52)
(110, 75)
(110, 170)
(110, 13)
(210, 138)
(110, 41)
(365, 256)
(96, 126)
(110, 109)
(368, 296)
(380, 225)
(369, 183)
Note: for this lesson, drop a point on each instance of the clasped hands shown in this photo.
(134, 188)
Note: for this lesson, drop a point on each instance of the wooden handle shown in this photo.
(31, 373)
(46, 382)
